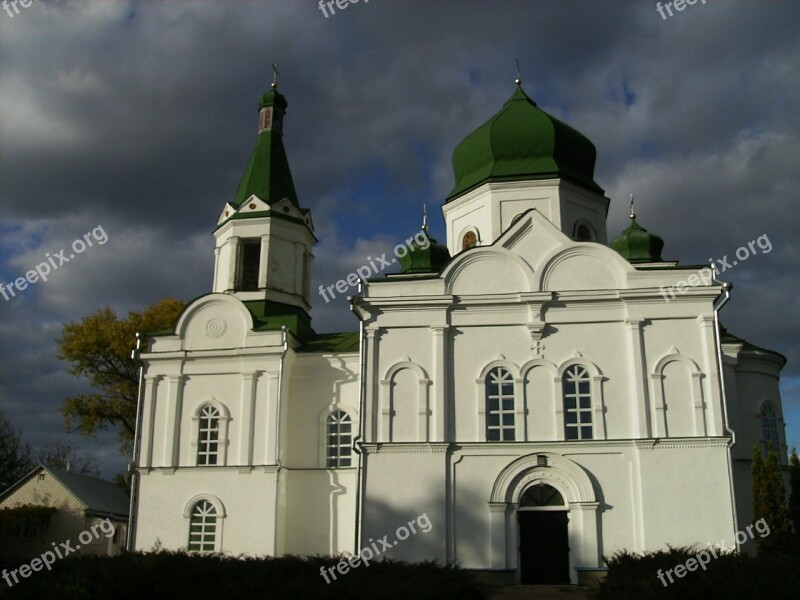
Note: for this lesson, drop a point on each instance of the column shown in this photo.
(172, 431)
(708, 339)
(439, 418)
(372, 379)
(247, 412)
(639, 392)
(148, 420)
(233, 256)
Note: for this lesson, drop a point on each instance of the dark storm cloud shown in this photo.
(140, 116)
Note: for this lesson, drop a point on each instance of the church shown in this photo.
(525, 385)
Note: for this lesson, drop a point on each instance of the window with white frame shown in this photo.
(577, 403)
(500, 406)
(208, 436)
(339, 438)
(203, 527)
(769, 426)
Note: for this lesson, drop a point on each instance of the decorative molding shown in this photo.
(406, 448)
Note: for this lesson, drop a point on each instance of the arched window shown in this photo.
(577, 404)
(769, 426)
(469, 240)
(339, 439)
(208, 436)
(499, 406)
(539, 495)
(583, 233)
(203, 527)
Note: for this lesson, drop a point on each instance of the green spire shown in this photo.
(267, 174)
(637, 245)
(522, 142)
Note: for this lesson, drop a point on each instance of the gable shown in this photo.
(533, 255)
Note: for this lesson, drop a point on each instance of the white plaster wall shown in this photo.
(403, 483)
(248, 498)
(320, 511)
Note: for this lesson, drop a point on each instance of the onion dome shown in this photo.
(637, 245)
(425, 257)
(519, 143)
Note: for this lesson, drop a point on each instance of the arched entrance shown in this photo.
(542, 518)
(578, 513)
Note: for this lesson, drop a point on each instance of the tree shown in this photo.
(769, 501)
(758, 486)
(123, 482)
(99, 349)
(15, 454)
(67, 457)
(794, 498)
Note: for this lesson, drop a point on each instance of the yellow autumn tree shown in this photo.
(98, 348)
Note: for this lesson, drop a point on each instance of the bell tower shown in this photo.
(264, 239)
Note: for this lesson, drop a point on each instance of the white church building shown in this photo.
(528, 386)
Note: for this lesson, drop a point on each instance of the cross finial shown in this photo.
(275, 75)
(424, 219)
(633, 214)
(518, 80)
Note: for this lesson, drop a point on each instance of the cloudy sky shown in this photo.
(139, 117)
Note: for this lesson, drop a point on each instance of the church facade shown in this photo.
(526, 386)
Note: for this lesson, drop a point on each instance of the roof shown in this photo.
(522, 142)
(97, 495)
(269, 315)
(728, 338)
(267, 174)
(429, 258)
(332, 342)
(637, 245)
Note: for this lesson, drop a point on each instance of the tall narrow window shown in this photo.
(249, 265)
(769, 426)
(577, 404)
(499, 406)
(208, 437)
(339, 439)
(203, 527)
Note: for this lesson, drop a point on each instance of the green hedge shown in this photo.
(731, 576)
(179, 576)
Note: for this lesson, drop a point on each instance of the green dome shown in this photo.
(637, 245)
(273, 98)
(522, 142)
(424, 260)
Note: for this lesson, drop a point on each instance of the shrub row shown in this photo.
(178, 576)
(733, 576)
